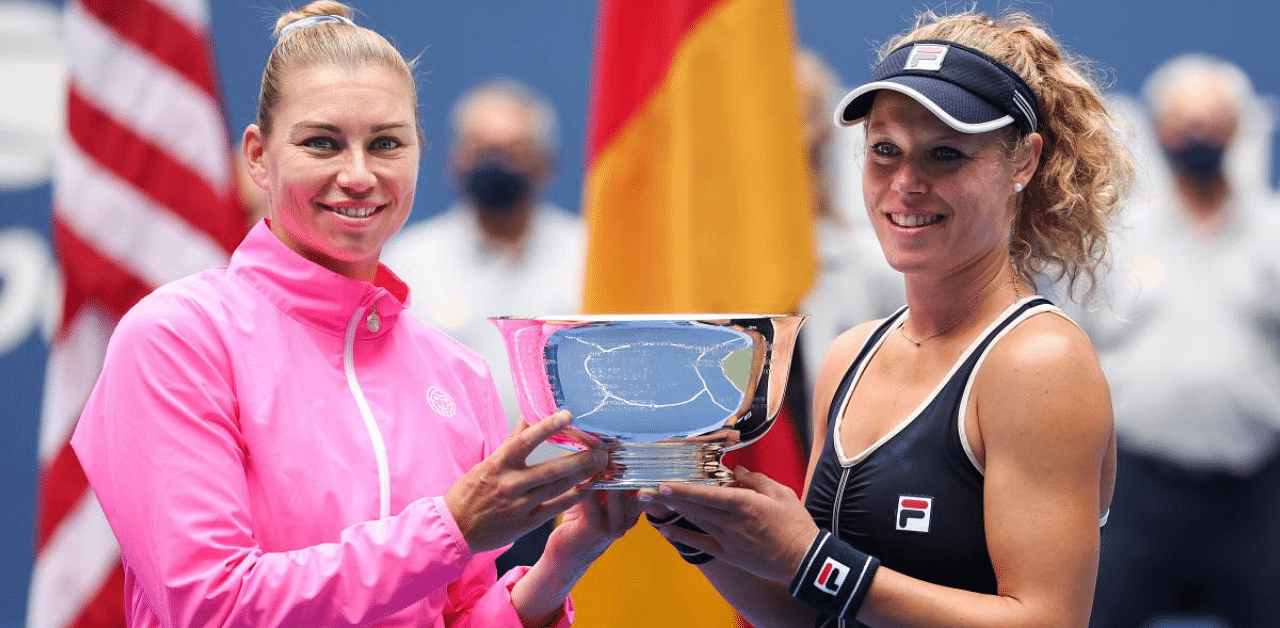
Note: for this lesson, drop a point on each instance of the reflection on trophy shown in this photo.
(665, 394)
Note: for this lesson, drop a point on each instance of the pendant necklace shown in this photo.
(902, 329)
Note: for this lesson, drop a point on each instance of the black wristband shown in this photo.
(690, 555)
(834, 577)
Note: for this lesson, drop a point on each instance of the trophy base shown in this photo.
(646, 465)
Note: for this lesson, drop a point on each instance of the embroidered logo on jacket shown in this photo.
(831, 576)
(442, 402)
(914, 513)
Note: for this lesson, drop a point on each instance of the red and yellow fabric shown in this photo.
(697, 199)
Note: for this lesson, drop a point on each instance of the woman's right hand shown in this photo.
(502, 498)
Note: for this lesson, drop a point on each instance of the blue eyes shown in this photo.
(884, 149)
(326, 144)
(940, 153)
(320, 143)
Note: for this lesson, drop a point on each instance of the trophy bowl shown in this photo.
(665, 394)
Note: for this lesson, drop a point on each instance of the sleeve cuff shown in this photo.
(509, 579)
(451, 528)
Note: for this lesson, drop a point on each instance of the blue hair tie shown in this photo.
(311, 21)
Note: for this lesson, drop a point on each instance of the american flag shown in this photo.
(143, 194)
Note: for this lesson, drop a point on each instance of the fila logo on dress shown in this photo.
(914, 513)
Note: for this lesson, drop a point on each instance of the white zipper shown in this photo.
(835, 514)
(375, 435)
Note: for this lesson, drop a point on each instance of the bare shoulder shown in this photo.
(1046, 344)
(842, 351)
(839, 355)
(1043, 378)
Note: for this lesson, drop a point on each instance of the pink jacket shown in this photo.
(270, 443)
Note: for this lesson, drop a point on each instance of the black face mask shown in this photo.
(493, 186)
(1199, 159)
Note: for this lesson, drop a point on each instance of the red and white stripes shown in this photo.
(143, 194)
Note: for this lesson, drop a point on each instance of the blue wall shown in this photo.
(548, 44)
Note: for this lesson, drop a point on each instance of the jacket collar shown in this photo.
(313, 294)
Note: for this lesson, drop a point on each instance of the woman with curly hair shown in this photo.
(964, 447)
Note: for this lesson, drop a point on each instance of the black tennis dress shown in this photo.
(914, 498)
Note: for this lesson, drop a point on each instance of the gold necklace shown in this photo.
(902, 329)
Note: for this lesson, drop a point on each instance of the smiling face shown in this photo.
(339, 165)
(940, 200)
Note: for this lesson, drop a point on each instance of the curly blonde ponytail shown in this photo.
(1064, 214)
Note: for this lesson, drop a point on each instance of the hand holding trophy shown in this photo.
(665, 394)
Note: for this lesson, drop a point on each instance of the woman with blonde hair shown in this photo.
(279, 443)
(964, 446)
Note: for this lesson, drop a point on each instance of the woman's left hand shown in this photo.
(585, 531)
(590, 527)
(759, 526)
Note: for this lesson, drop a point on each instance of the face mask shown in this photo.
(1199, 159)
(493, 186)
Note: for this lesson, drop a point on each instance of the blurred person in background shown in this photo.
(502, 249)
(854, 283)
(1188, 332)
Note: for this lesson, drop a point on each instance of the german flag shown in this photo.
(697, 199)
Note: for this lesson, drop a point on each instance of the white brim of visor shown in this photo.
(963, 127)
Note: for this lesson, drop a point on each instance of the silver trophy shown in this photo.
(665, 394)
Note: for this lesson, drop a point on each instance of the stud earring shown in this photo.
(1017, 187)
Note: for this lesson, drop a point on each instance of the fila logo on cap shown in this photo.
(926, 57)
(914, 513)
(831, 576)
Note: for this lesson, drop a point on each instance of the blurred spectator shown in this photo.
(501, 250)
(1190, 344)
(854, 283)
